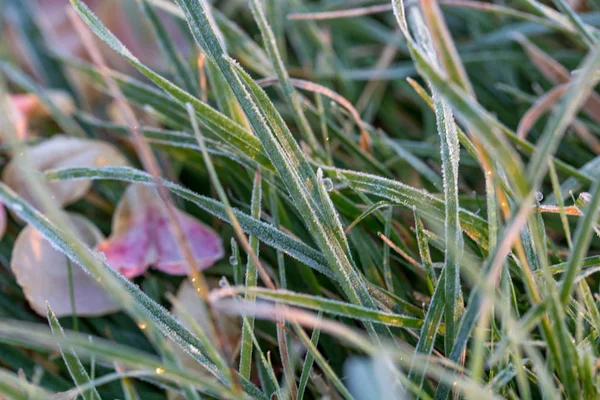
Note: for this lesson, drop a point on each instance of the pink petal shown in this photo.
(205, 243)
(131, 252)
(142, 236)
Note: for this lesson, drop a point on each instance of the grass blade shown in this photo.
(308, 364)
(251, 278)
(265, 232)
(334, 307)
(183, 72)
(76, 369)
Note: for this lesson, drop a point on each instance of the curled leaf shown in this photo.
(42, 272)
(142, 237)
(63, 152)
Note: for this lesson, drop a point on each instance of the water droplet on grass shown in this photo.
(328, 184)
(233, 260)
(539, 196)
(585, 197)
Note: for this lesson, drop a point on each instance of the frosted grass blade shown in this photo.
(76, 369)
(265, 232)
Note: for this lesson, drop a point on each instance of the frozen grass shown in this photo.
(411, 191)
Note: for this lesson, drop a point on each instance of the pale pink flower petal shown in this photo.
(62, 152)
(130, 247)
(205, 243)
(129, 253)
(42, 273)
(142, 236)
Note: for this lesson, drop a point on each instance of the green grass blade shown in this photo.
(76, 369)
(322, 363)
(183, 72)
(224, 96)
(417, 164)
(16, 388)
(308, 364)
(582, 239)
(585, 33)
(450, 152)
(265, 232)
(23, 18)
(333, 307)
(431, 325)
(34, 335)
(292, 96)
(251, 279)
(301, 183)
(238, 42)
(424, 253)
(475, 117)
(408, 196)
(138, 303)
(241, 136)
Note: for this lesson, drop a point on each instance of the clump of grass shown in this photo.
(411, 192)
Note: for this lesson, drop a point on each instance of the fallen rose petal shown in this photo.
(130, 252)
(42, 272)
(63, 152)
(206, 245)
(142, 236)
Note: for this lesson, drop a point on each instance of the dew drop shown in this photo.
(142, 326)
(17, 208)
(159, 370)
(539, 196)
(328, 184)
(233, 260)
(223, 282)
